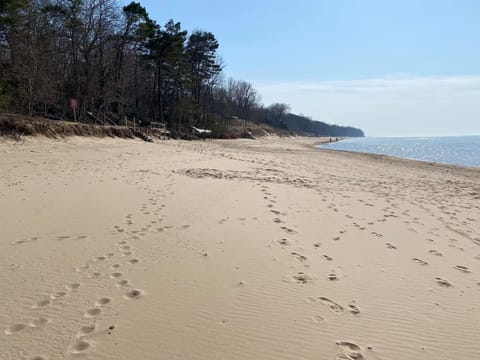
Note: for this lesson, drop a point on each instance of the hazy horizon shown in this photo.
(393, 69)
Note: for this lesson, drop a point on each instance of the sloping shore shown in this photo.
(238, 249)
(18, 126)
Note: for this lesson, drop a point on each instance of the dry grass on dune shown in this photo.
(14, 126)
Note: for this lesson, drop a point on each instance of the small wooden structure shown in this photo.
(159, 129)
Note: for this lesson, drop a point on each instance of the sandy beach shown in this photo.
(238, 249)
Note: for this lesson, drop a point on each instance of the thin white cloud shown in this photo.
(393, 105)
(391, 84)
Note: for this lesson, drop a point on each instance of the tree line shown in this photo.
(117, 63)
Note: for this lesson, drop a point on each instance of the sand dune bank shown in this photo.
(245, 249)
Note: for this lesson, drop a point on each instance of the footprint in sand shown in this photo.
(92, 312)
(419, 261)
(115, 266)
(443, 282)
(353, 309)
(328, 258)
(332, 277)
(82, 268)
(72, 286)
(80, 347)
(288, 230)
(13, 329)
(133, 261)
(435, 252)
(350, 351)
(463, 269)
(116, 275)
(134, 294)
(302, 278)
(95, 274)
(123, 283)
(38, 357)
(103, 301)
(299, 257)
(284, 242)
(336, 308)
(35, 323)
(348, 345)
(18, 242)
(87, 329)
(42, 303)
(391, 246)
(58, 295)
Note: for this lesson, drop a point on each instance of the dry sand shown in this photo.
(265, 249)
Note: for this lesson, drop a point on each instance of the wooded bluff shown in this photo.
(103, 64)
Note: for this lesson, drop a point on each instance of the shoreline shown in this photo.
(393, 157)
(402, 159)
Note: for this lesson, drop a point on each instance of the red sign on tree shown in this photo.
(73, 103)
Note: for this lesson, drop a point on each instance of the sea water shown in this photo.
(456, 150)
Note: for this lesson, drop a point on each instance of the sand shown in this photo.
(245, 249)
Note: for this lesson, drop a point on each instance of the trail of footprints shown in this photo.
(41, 321)
(113, 268)
(115, 274)
(107, 267)
(347, 349)
(82, 344)
(92, 270)
(393, 211)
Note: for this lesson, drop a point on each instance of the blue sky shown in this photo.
(393, 68)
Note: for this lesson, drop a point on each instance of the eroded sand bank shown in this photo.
(265, 249)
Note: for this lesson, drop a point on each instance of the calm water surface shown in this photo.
(456, 150)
